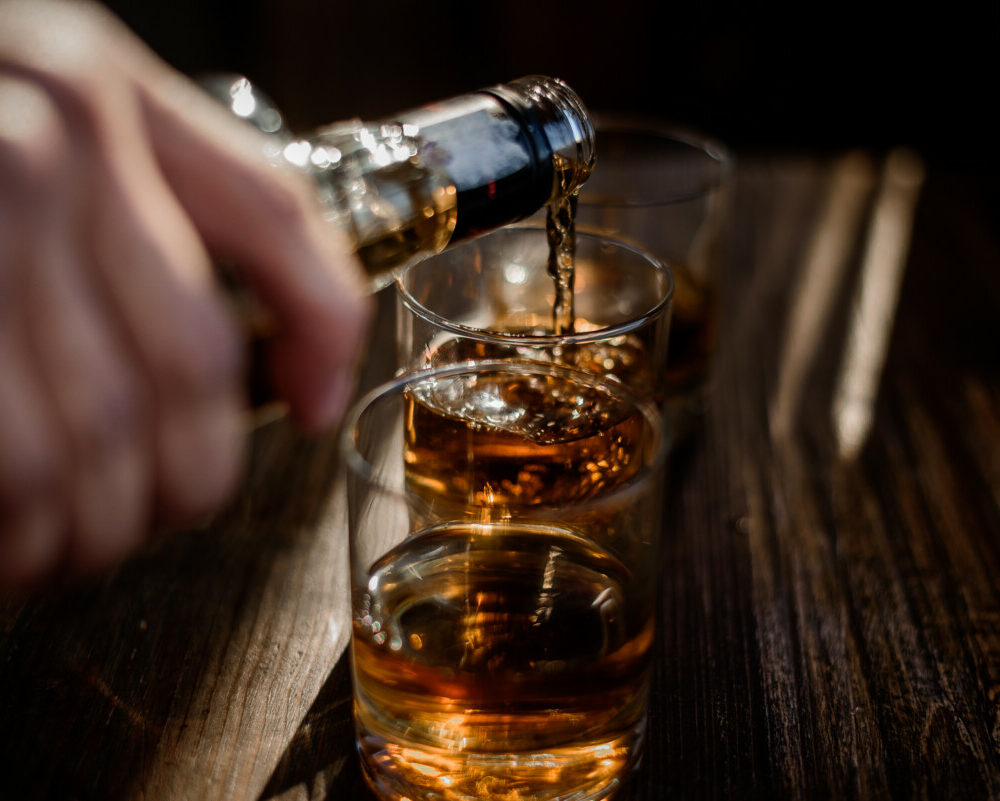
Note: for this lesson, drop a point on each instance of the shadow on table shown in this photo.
(97, 680)
(322, 762)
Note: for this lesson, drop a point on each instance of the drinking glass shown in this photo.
(666, 190)
(504, 523)
(493, 297)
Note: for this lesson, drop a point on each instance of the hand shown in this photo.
(120, 367)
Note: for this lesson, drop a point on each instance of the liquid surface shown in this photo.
(625, 357)
(497, 662)
(495, 440)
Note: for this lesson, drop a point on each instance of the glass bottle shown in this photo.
(406, 187)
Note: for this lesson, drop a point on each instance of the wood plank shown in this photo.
(829, 626)
(187, 673)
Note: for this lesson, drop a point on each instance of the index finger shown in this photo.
(270, 222)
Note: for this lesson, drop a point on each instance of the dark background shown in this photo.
(761, 75)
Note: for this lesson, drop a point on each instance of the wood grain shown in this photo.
(187, 673)
(830, 628)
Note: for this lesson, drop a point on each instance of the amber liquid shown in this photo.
(412, 219)
(624, 357)
(560, 227)
(497, 440)
(497, 659)
(693, 325)
(497, 662)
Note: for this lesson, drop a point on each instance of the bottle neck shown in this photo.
(500, 146)
(555, 113)
(440, 173)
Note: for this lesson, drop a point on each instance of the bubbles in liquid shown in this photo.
(624, 358)
(544, 409)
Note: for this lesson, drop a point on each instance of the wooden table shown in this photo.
(830, 620)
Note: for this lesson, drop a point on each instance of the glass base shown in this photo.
(405, 771)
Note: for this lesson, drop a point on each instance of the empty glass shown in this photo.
(666, 190)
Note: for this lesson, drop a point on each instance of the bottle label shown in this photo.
(500, 171)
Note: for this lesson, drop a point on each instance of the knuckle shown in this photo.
(76, 41)
(73, 53)
(34, 142)
(64, 47)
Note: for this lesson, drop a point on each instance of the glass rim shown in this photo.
(356, 463)
(713, 149)
(577, 338)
